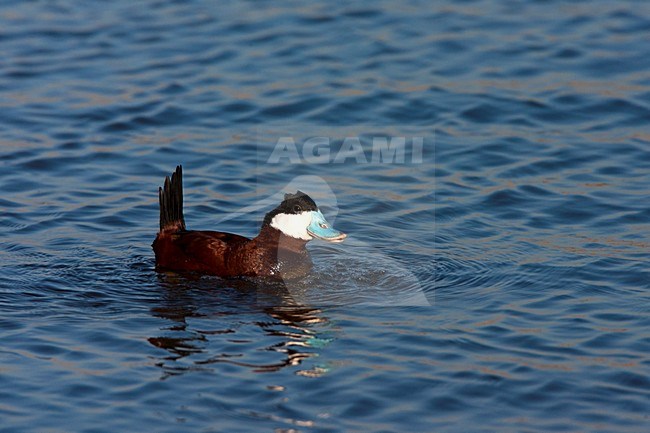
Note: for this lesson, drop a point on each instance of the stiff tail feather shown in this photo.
(171, 202)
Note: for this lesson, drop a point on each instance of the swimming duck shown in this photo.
(277, 251)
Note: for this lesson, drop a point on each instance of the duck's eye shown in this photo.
(323, 225)
(297, 208)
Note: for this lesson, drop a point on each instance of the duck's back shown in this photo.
(206, 252)
(179, 249)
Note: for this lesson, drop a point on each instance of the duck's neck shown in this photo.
(274, 237)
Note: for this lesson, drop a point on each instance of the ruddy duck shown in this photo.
(277, 251)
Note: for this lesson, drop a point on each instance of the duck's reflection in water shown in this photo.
(250, 324)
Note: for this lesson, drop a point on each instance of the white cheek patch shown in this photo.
(294, 225)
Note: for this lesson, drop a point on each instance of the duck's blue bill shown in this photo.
(321, 229)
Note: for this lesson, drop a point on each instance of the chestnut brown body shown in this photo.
(270, 254)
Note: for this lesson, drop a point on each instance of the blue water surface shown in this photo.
(498, 280)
